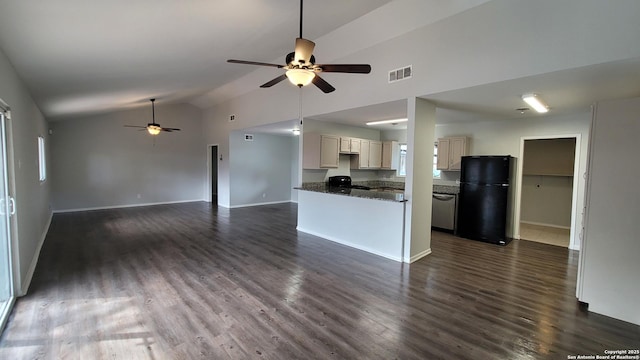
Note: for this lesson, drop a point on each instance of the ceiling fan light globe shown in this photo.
(300, 77)
(153, 130)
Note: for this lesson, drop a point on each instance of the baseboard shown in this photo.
(346, 243)
(419, 255)
(126, 206)
(26, 282)
(259, 204)
(547, 225)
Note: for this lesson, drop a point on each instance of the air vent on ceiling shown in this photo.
(400, 74)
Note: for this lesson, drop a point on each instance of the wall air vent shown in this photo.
(400, 74)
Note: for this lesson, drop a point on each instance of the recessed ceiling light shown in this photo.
(535, 102)
(392, 121)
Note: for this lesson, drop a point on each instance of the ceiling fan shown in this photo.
(152, 127)
(302, 69)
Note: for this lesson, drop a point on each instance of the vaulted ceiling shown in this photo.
(81, 57)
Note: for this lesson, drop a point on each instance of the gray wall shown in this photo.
(609, 260)
(33, 213)
(97, 162)
(261, 170)
(546, 200)
(296, 174)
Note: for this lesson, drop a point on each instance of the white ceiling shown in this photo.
(78, 56)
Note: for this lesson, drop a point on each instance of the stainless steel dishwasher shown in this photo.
(443, 214)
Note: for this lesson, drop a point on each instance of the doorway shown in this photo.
(213, 165)
(547, 190)
(7, 210)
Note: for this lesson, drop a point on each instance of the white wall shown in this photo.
(609, 260)
(97, 162)
(33, 212)
(261, 170)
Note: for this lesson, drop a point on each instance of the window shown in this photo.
(436, 172)
(42, 159)
(402, 165)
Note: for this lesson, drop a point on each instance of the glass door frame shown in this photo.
(8, 209)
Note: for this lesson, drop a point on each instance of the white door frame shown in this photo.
(574, 242)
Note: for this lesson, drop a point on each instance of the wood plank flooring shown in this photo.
(190, 281)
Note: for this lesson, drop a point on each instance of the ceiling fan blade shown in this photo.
(136, 126)
(322, 84)
(346, 68)
(170, 129)
(304, 50)
(253, 63)
(274, 81)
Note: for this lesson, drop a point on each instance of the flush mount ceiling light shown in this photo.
(535, 102)
(392, 121)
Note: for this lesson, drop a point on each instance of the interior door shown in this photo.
(7, 208)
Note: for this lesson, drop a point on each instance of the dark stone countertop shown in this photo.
(446, 189)
(375, 194)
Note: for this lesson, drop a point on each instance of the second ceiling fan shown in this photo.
(302, 68)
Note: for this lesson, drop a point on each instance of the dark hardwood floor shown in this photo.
(191, 281)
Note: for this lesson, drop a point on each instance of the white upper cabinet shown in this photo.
(362, 160)
(320, 151)
(349, 145)
(375, 154)
(390, 155)
(450, 152)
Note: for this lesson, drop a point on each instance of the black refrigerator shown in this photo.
(484, 199)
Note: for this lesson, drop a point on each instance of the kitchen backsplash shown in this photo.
(344, 168)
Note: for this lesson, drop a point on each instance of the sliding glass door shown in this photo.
(7, 207)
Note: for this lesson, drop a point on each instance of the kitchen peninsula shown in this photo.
(367, 219)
